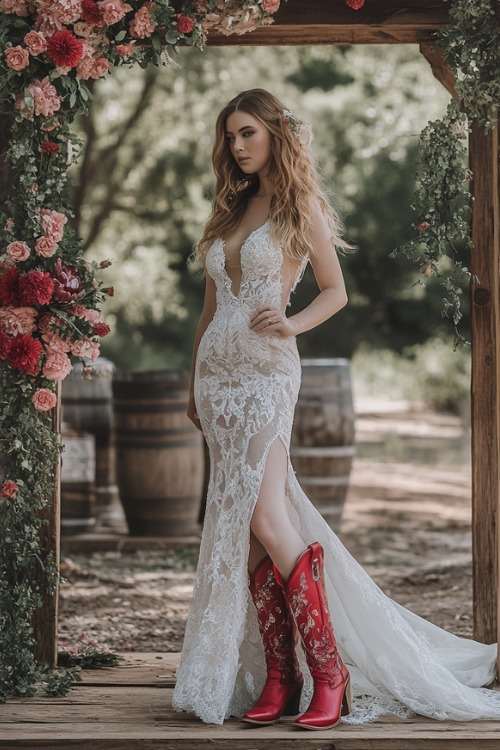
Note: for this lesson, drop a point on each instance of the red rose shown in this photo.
(67, 282)
(355, 4)
(64, 49)
(185, 24)
(423, 226)
(36, 288)
(91, 12)
(8, 489)
(24, 354)
(101, 329)
(4, 345)
(9, 287)
(49, 147)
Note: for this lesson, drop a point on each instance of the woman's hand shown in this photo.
(269, 320)
(191, 412)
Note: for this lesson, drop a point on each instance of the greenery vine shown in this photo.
(441, 237)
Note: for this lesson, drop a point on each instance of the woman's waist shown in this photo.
(231, 338)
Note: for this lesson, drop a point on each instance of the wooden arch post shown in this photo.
(387, 22)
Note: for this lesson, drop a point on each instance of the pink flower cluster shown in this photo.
(44, 100)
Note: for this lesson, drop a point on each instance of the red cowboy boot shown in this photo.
(306, 598)
(283, 686)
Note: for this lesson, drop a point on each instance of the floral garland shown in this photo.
(442, 200)
(49, 294)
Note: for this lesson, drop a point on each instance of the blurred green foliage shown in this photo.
(143, 188)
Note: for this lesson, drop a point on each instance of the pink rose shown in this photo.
(17, 320)
(57, 365)
(54, 343)
(35, 42)
(142, 24)
(45, 246)
(100, 67)
(17, 57)
(8, 489)
(82, 312)
(270, 6)
(9, 225)
(19, 7)
(423, 226)
(185, 24)
(44, 400)
(113, 10)
(86, 348)
(45, 100)
(55, 15)
(85, 68)
(125, 49)
(18, 251)
(52, 223)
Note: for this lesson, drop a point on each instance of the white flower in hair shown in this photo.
(301, 130)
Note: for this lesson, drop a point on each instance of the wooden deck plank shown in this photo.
(137, 669)
(124, 709)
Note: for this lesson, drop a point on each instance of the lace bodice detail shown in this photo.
(261, 262)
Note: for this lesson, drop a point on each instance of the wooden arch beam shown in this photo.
(333, 22)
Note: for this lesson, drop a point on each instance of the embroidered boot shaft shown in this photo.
(283, 686)
(306, 598)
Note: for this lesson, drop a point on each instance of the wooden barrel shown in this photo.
(78, 505)
(87, 406)
(322, 445)
(159, 453)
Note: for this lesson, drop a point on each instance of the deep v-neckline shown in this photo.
(224, 258)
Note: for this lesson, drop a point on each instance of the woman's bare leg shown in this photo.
(271, 525)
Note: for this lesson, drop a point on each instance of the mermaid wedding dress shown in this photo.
(246, 387)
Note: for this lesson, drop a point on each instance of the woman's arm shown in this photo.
(207, 314)
(331, 298)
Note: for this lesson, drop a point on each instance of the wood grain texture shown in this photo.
(127, 716)
(45, 621)
(485, 387)
(439, 66)
(325, 22)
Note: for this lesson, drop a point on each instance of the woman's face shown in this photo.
(249, 141)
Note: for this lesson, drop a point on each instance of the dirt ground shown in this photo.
(406, 520)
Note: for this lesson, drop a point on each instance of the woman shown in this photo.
(270, 219)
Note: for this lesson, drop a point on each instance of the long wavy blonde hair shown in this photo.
(291, 170)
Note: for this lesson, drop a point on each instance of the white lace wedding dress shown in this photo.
(246, 388)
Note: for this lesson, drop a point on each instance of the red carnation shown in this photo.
(9, 287)
(24, 354)
(355, 4)
(185, 24)
(49, 147)
(101, 329)
(36, 288)
(91, 12)
(64, 49)
(4, 345)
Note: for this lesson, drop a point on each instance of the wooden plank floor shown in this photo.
(128, 708)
